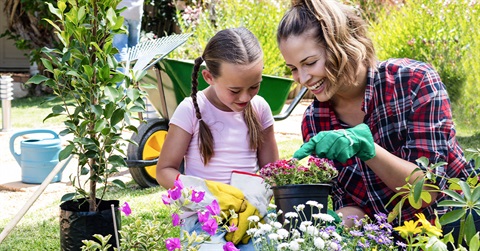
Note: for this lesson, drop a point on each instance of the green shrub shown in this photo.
(260, 17)
(444, 34)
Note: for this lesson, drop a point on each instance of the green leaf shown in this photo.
(55, 11)
(415, 203)
(100, 124)
(474, 244)
(452, 203)
(466, 190)
(454, 195)
(117, 116)
(470, 228)
(417, 190)
(476, 194)
(68, 196)
(451, 216)
(119, 183)
(58, 109)
(65, 152)
(37, 79)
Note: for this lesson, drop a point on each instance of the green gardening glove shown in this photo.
(340, 145)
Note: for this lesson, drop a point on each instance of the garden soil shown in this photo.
(14, 194)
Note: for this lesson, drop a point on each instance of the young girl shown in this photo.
(375, 119)
(225, 127)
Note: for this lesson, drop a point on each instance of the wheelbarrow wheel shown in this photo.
(150, 139)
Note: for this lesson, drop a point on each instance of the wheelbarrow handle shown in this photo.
(140, 163)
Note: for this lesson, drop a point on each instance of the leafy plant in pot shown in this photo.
(83, 75)
(294, 184)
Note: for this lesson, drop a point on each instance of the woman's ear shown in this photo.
(207, 76)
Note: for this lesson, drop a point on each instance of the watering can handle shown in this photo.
(25, 132)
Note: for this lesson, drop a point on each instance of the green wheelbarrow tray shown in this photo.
(173, 78)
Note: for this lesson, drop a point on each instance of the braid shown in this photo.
(205, 137)
(254, 127)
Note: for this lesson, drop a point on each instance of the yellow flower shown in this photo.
(428, 227)
(408, 229)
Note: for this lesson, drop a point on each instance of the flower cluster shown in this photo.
(321, 232)
(210, 218)
(420, 233)
(284, 172)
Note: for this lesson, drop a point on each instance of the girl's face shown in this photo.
(306, 59)
(236, 85)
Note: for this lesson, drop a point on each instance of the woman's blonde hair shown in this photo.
(235, 46)
(336, 26)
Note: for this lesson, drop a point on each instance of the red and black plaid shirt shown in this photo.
(408, 111)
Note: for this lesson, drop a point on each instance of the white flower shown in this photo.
(291, 215)
(302, 228)
(286, 221)
(337, 236)
(252, 231)
(312, 203)
(277, 225)
(282, 246)
(319, 206)
(282, 233)
(294, 246)
(273, 236)
(295, 233)
(333, 245)
(324, 235)
(253, 218)
(312, 230)
(272, 215)
(280, 211)
(267, 228)
(272, 206)
(323, 217)
(300, 207)
(306, 223)
(319, 243)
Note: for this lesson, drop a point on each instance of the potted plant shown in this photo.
(294, 184)
(83, 75)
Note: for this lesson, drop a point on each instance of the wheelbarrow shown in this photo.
(173, 79)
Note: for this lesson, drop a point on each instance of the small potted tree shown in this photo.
(83, 75)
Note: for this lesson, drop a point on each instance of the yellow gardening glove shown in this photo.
(228, 197)
(242, 225)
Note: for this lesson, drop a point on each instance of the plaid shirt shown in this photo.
(408, 111)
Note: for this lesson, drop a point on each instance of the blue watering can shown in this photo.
(37, 156)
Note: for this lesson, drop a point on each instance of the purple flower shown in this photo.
(210, 226)
(166, 199)
(232, 228)
(178, 183)
(230, 247)
(125, 208)
(175, 219)
(197, 196)
(173, 244)
(203, 216)
(214, 208)
(175, 193)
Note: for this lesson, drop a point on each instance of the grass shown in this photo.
(31, 111)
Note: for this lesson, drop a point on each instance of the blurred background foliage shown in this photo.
(444, 33)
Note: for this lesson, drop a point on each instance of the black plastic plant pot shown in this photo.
(77, 223)
(288, 196)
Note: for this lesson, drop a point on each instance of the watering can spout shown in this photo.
(38, 155)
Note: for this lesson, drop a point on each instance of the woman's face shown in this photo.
(236, 85)
(306, 59)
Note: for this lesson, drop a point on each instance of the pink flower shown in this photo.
(210, 226)
(178, 183)
(125, 208)
(197, 196)
(232, 228)
(203, 216)
(214, 208)
(175, 219)
(230, 247)
(173, 244)
(166, 199)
